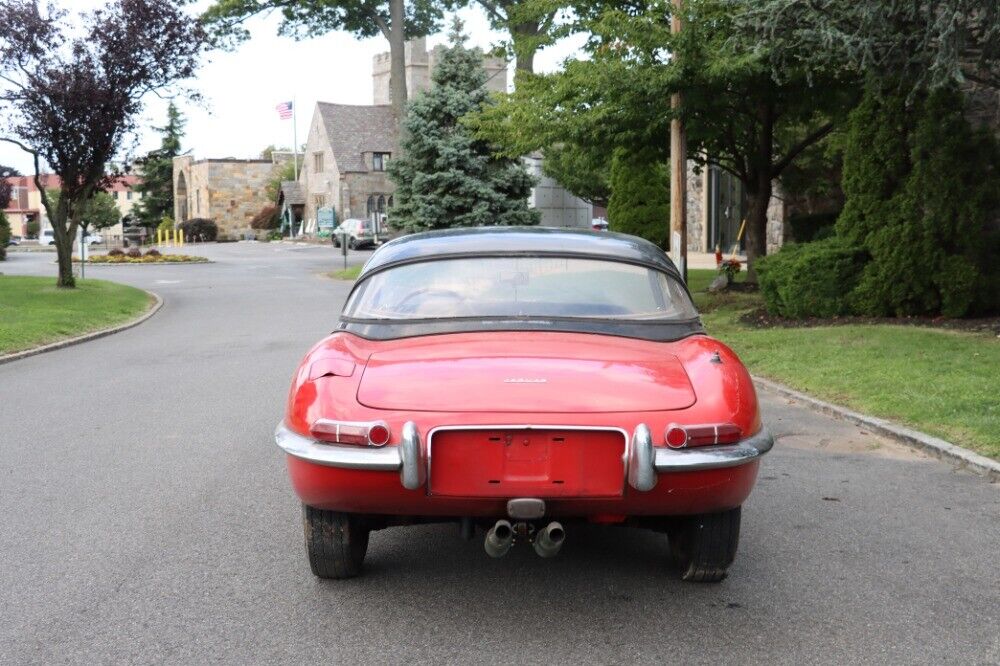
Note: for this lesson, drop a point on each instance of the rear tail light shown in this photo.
(361, 433)
(678, 436)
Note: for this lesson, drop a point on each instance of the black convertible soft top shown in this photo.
(523, 242)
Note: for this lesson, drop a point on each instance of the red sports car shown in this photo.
(520, 380)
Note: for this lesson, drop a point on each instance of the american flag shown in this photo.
(284, 110)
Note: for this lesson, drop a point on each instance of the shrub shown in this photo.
(640, 197)
(166, 224)
(116, 252)
(134, 253)
(922, 186)
(808, 228)
(153, 252)
(811, 279)
(200, 230)
(4, 236)
(267, 218)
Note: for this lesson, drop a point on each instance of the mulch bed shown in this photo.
(759, 318)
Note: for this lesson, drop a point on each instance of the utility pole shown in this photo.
(678, 169)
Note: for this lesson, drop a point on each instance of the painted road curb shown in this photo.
(947, 451)
(16, 356)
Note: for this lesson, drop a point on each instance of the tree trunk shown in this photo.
(758, 200)
(64, 254)
(524, 36)
(397, 61)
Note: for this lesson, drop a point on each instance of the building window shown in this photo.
(380, 161)
(116, 193)
(371, 205)
(381, 205)
(128, 195)
(317, 162)
(319, 200)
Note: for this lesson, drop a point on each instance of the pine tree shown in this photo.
(447, 177)
(157, 185)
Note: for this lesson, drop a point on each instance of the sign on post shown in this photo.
(326, 220)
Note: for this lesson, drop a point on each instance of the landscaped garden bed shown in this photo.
(136, 256)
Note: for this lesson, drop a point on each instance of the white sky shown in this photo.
(242, 88)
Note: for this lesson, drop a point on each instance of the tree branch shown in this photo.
(812, 138)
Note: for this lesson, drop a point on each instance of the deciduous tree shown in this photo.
(72, 100)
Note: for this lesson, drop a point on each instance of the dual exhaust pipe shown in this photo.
(547, 541)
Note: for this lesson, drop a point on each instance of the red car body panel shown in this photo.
(605, 385)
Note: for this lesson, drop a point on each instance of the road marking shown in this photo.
(169, 281)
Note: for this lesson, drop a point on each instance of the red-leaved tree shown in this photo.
(72, 96)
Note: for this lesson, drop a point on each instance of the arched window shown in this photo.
(390, 201)
(371, 205)
(381, 205)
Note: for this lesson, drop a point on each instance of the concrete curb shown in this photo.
(939, 448)
(16, 356)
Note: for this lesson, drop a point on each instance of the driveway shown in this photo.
(146, 517)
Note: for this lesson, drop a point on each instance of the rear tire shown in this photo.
(352, 244)
(335, 542)
(702, 547)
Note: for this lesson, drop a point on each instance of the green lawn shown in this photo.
(34, 312)
(345, 274)
(945, 383)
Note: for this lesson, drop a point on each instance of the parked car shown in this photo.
(93, 239)
(47, 237)
(14, 240)
(359, 233)
(522, 380)
(599, 224)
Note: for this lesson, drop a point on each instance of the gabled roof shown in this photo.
(292, 193)
(355, 130)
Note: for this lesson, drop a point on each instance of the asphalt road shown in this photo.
(145, 516)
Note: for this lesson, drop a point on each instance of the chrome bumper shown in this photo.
(645, 461)
(406, 457)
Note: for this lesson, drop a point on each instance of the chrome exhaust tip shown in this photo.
(499, 539)
(549, 540)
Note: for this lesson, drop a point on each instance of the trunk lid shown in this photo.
(527, 377)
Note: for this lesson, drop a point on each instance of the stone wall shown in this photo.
(356, 189)
(558, 206)
(229, 192)
(697, 208)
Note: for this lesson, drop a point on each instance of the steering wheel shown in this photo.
(432, 292)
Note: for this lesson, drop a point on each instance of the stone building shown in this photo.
(716, 207)
(420, 65)
(227, 191)
(348, 149)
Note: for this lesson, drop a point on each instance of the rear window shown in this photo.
(520, 287)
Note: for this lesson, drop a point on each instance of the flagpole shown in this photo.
(295, 158)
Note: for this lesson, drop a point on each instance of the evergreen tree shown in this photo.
(157, 185)
(921, 187)
(640, 196)
(446, 176)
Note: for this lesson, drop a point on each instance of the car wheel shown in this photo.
(702, 547)
(336, 543)
(352, 244)
(336, 243)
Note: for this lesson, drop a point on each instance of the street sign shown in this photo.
(326, 220)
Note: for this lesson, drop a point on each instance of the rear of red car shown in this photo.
(508, 391)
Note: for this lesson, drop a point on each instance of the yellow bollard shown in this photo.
(180, 235)
(172, 233)
(158, 233)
